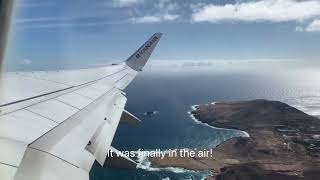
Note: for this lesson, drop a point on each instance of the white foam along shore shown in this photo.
(195, 107)
(145, 164)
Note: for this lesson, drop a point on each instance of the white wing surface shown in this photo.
(55, 124)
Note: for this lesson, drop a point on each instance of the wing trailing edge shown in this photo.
(137, 60)
(128, 118)
(119, 160)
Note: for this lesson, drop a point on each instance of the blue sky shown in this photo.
(58, 33)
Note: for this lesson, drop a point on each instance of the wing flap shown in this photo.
(119, 160)
(38, 165)
(128, 118)
(102, 138)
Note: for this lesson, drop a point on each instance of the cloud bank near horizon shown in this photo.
(305, 13)
(258, 11)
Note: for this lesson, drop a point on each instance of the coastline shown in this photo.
(267, 152)
(197, 121)
(143, 162)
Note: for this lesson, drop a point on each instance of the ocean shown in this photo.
(171, 88)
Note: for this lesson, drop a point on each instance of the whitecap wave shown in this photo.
(145, 164)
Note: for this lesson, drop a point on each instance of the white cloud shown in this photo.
(126, 3)
(165, 12)
(63, 21)
(299, 29)
(264, 10)
(314, 26)
(41, 19)
(68, 25)
(27, 4)
(26, 62)
(153, 19)
(162, 3)
(170, 17)
(145, 19)
(167, 5)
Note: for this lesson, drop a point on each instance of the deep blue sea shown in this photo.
(171, 89)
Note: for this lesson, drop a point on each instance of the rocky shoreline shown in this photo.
(284, 142)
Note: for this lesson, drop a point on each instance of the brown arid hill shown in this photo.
(284, 142)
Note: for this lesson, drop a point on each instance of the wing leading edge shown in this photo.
(67, 124)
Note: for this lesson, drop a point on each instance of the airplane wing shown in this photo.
(55, 124)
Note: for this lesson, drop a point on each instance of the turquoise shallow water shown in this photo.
(172, 95)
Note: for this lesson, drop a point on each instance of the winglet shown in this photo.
(137, 60)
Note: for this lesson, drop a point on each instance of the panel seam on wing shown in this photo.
(54, 156)
(34, 77)
(8, 165)
(67, 104)
(41, 115)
